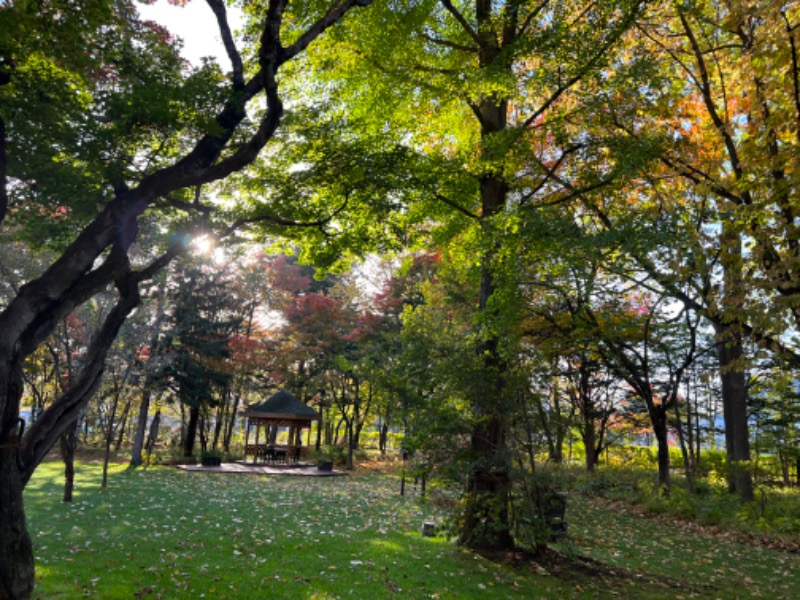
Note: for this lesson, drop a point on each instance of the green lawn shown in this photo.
(695, 561)
(165, 533)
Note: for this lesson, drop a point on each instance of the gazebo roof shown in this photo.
(282, 406)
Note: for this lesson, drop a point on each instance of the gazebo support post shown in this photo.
(255, 448)
(246, 438)
(292, 453)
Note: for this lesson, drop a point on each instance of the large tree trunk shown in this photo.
(734, 410)
(19, 460)
(351, 442)
(320, 426)
(797, 471)
(730, 351)
(384, 436)
(551, 422)
(16, 549)
(486, 522)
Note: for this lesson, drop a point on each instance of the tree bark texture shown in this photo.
(730, 352)
(16, 549)
(589, 435)
(734, 410)
(486, 522)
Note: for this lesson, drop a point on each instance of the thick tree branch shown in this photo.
(61, 415)
(574, 191)
(699, 177)
(218, 6)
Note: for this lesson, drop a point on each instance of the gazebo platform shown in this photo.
(298, 469)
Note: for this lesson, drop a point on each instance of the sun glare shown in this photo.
(203, 244)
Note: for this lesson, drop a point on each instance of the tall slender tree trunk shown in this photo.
(589, 435)
(226, 442)
(690, 432)
(351, 443)
(730, 351)
(546, 420)
(141, 429)
(734, 411)
(123, 424)
(383, 438)
(191, 431)
(783, 459)
(318, 444)
(109, 437)
(658, 418)
(797, 471)
(152, 436)
(69, 444)
(686, 445)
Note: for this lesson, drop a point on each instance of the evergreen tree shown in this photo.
(201, 326)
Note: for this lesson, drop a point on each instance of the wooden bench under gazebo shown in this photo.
(281, 410)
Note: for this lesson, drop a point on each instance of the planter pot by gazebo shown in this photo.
(325, 465)
(211, 458)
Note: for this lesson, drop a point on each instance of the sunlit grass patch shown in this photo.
(172, 534)
(706, 563)
(168, 533)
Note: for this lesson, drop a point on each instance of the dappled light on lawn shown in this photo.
(181, 535)
(166, 533)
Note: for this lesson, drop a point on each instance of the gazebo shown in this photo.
(282, 410)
